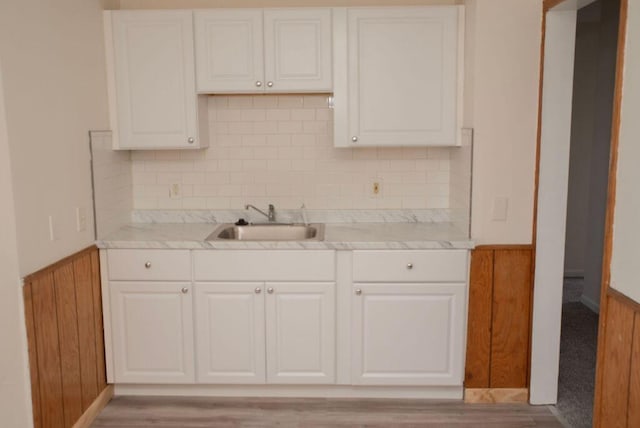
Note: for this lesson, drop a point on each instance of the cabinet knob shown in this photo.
(147, 265)
(258, 290)
(184, 290)
(358, 292)
(258, 83)
(270, 84)
(270, 290)
(409, 265)
(191, 140)
(354, 139)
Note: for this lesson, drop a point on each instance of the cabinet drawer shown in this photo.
(408, 266)
(158, 265)
(264, 265)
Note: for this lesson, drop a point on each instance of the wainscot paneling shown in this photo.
(617, 402)
(63, 312)
(499, 325)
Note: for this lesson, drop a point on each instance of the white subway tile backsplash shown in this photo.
(279, 114)
(303, 114)
(113, 183)
(279, 149)
(265, 101)
(291, 101)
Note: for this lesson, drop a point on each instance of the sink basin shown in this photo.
(268, 232)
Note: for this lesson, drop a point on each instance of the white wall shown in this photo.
(626, 227)
(15, 407)
(552, 205)
(502, 107)
(585, 82)
(55, 92)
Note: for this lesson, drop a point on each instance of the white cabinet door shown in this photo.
(408, 334)
(403, 77)
(297, 45)
(262, 51)
(229, 50)
(300, 333)
(152, 330)
(156, 101)
(230, 332)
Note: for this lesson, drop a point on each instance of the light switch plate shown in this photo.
(500, 208)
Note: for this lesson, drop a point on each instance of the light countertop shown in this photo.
(338, 236)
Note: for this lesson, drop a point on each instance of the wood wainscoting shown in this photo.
(499, 324)
(617, 399)
(63, 311)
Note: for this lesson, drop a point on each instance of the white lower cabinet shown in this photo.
(389, 318)
(278, 333)
(230, 333)
(152, 331)
(407, 334)
(300, 320)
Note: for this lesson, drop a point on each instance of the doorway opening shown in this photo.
(577, 101)
(596, 42)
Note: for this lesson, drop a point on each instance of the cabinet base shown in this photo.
(333, 391)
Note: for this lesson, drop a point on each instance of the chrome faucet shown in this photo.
(271, 215)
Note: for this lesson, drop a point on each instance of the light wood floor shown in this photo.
(187, 412)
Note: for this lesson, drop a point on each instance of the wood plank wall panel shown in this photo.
(617, 402)
(499, 323)
(69, 344)
(634, 381)
(63, 310)
(33, 356)
(511, 318)
(617, 365)
(479, 332)
(45, 319)
(86, 330)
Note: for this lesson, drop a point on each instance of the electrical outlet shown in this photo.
(81, 219)
(376, 188)
(175, 191)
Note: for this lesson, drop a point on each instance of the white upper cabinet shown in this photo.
(263, 51)
(152, 80)
(403, 78)
(229, 50)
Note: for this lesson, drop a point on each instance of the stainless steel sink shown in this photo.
(268, 232)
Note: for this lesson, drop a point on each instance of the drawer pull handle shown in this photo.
(184, 290)
(358, 291)
(270, 290)
(258, 290)
(147, 265)
(409, 266)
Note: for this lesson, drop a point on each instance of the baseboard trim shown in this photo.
(573, 273)
(496, 395)
(95, 408)
(595, 307)
(306, 391)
